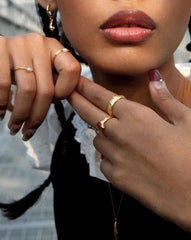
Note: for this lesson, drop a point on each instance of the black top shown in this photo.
(82, 204)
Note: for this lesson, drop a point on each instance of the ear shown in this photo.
(44, 3)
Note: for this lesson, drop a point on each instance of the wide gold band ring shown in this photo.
(101, 125)
(112, 103)
(28, 69)
(64, 50)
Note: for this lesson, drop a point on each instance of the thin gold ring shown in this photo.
(58, 52)
(112, 103)
(101, 125)
(28, 69)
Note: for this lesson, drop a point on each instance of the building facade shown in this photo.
(18, 17)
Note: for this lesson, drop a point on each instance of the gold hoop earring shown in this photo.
(51, 16)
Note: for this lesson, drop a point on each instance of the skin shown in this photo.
(128, 162)
(118, 59)
(160, 179)
(35, 92)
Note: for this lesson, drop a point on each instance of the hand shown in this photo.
(35, 90)
(143, 155)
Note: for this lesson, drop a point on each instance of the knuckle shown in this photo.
(116, 176)
(140, 114)
(16, 41)
(36, 122)
(4, 84)
(20, 116)
(51, 41)
(95, 141)
(36, 37)
(27, 89)
(74, 68)
(103, 167)
(47, 92)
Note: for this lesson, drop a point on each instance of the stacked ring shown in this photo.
(101, 126)
(112, 103)
(28, 69)
(58, 52)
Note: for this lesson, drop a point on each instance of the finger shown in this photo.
(5, 78)
(26, 83)
(100, 97)
(107, 147)
(86, 110)
(68, 69)
(26, 89)
(92, 114)
(106, 168)
(171, 107)
(64, 63)
(44, 94)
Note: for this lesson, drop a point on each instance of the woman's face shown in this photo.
(125, 36)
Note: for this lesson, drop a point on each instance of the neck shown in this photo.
(135, 88)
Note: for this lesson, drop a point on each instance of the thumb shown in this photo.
(171, 107)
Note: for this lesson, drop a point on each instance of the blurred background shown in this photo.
(18, 17)
(17, 178)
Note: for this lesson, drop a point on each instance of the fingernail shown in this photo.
(15, 128)
(28, 134)
(2, 114)
(156, 79)
(155, 76)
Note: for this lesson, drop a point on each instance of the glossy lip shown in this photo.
(128, 26)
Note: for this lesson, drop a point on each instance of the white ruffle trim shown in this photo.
(85, 136)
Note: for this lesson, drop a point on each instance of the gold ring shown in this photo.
(58, 52)
(112, 103)
(28, 69)
(101, 125)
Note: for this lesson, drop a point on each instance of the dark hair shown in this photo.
(189, 45)
(64, 40)
(17, 208)
(58, 33)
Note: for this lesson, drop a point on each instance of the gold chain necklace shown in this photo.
(115, 213)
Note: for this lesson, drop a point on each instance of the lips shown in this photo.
(128, 26)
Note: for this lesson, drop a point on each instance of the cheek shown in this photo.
(91, 45)
(171, 29)
(79, 35)
(172, 19)
(77, 23)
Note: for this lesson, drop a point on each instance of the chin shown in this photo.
(130, 61)
(131, 68)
